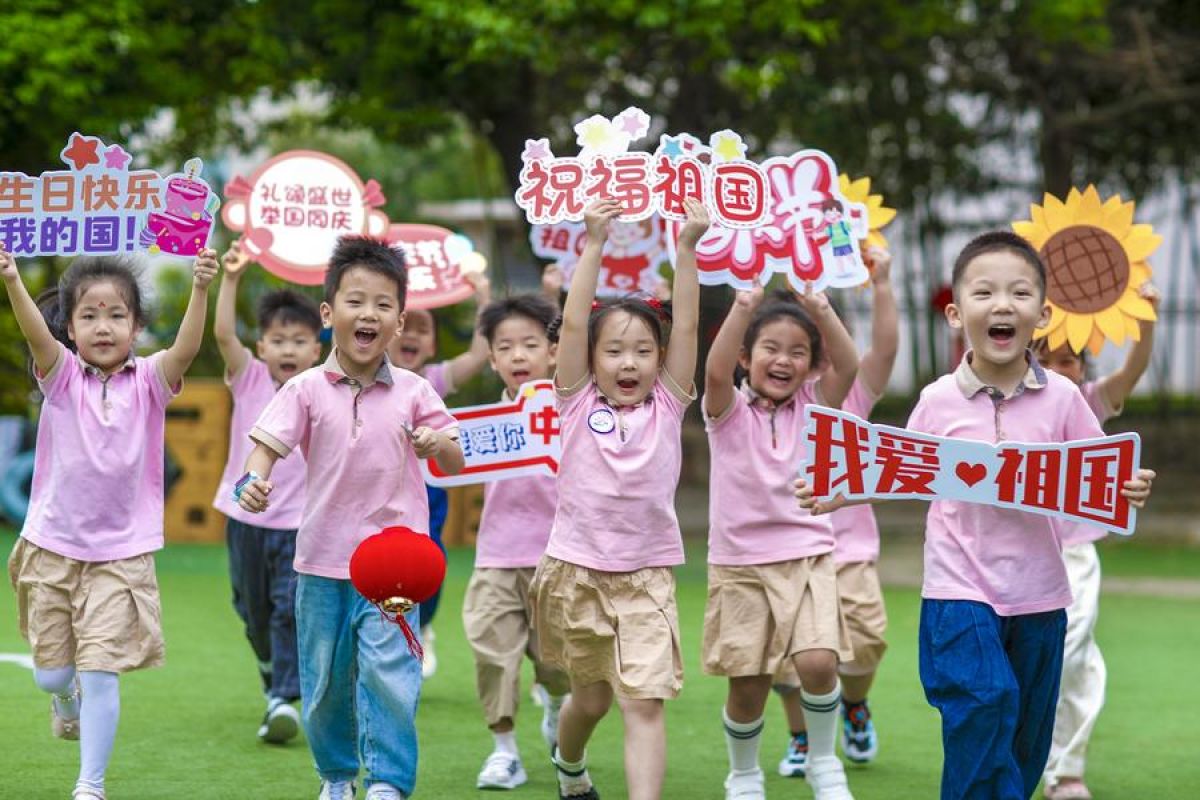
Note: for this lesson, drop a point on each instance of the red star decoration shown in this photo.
(81, 151)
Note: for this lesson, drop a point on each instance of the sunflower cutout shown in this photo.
(878, 216)
(1095, 260)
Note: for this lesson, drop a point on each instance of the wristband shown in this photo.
(243, 482)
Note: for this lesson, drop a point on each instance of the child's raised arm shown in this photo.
(573, 336)
(877, 362)
(467, 365)
(685, 323)
(232, 350)
(843, 356)
(723, 355)
(42, 344)
(1119, 385)
(178, 357)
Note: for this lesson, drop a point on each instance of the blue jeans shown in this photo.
(995, 681)
(264, 588)
(359, 685)
(439, 508)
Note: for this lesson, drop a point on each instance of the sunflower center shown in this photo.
(1086, 269)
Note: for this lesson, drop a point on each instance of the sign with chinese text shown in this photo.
(293, 208)
(438, 262)
(505, 440)
(787, 214)
(1079, 481)
(630, 262)
(102, 207)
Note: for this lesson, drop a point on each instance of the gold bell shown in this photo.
(397, 605)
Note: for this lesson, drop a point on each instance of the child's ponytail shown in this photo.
(50, 304)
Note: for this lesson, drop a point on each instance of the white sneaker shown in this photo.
(87, 793)
(745, 785)
(501, 771)
(827, 777)
(336, 790)
(429, 662)
(384, 791)
(280, 724)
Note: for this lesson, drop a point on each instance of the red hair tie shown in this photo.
(658, 307)
(597, 305)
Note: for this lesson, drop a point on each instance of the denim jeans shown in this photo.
(995, 681)
(264, 588)
(359, 685)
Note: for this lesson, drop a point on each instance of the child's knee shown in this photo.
(642, 712)
(816, 668)
(57, 680)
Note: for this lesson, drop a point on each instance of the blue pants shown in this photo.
(995, 681)
(439, 507)
(360, 685)
(264, 589)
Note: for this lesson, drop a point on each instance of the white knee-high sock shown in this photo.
(100, 710)
(60, 682)
(741, 739)
(821, 714)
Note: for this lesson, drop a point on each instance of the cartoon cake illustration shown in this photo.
(183, 228)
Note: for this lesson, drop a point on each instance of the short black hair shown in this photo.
(650, 310)
(365, 252)
(533, 307)
(287, 307)
(993, 242)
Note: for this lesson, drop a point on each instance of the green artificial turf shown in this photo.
(188, 729)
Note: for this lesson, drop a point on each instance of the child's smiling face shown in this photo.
(998, 303)
(779, 360)
(416, 344)
(626, 358)
(102, 326)
(520, 351)
(365, 316)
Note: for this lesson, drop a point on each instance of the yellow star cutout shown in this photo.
(594, 134)
(728, 146)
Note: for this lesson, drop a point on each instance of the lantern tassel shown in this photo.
(414, 643)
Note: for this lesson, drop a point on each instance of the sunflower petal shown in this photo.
(1118, 217)
(1140, 244)
(1136, 306)
(861, 187)
(882, 216)
(1079, 330)
(1089, 209)
(1057, 216)
(1132, 328)
(876, 239)
(1096, 343)
(1139, 273)
(1111, 322)
(1031, 233)
(1056, 339)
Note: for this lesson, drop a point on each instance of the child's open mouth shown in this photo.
(779, 378)
(520, 375)
(627, 384)
(364, 337)
(287, 367)
(410, 350)
(1002, 334)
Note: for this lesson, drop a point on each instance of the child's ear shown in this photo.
(553, 349)
(1044, 317)
(327, 315)
(953, 316)
(400, 324)
(259, 346)
(743, 359)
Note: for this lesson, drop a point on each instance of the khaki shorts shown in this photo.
(102, 616)
(620, 628)
(498, 618)
(758, 616)
(862, 608)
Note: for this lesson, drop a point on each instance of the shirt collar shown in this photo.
(335, 374)
(91, 369)
(761, 400)
(970, 384)
(619, 406)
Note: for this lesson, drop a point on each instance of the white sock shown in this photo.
(572, 775)
(60, 682)
(506, 742)
(741, 739)
(99, 712)
(821, 714)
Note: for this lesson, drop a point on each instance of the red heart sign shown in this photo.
(970, 474)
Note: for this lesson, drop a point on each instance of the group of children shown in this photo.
(573, 571)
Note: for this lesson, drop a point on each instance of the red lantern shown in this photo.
(396, 569)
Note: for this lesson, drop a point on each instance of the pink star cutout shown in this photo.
(115, 157)
(536, 150)
(633, 122)
(81, 151)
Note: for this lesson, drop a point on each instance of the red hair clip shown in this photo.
(597, 305)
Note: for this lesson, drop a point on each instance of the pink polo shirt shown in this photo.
(617, 481)
(363, 475)
(757, 448)
(1009, 559)
(1072, 532)
(252, 389)
(97, 492)
(855, 531)
(439, 378)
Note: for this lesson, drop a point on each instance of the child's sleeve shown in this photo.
(237, 381)
(283, 424)
(440, 377)
(1079, 420)
(55, 381)
(429, 411)
(919, 420)
(156, 380)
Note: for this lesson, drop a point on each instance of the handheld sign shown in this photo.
(1079, 481)
(102, 207)
(505, 440)
(631, 261)
(1095, 260)
(292, 210)
(438, 262)
(785, 215)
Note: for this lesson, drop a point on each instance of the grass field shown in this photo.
(187, 730)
